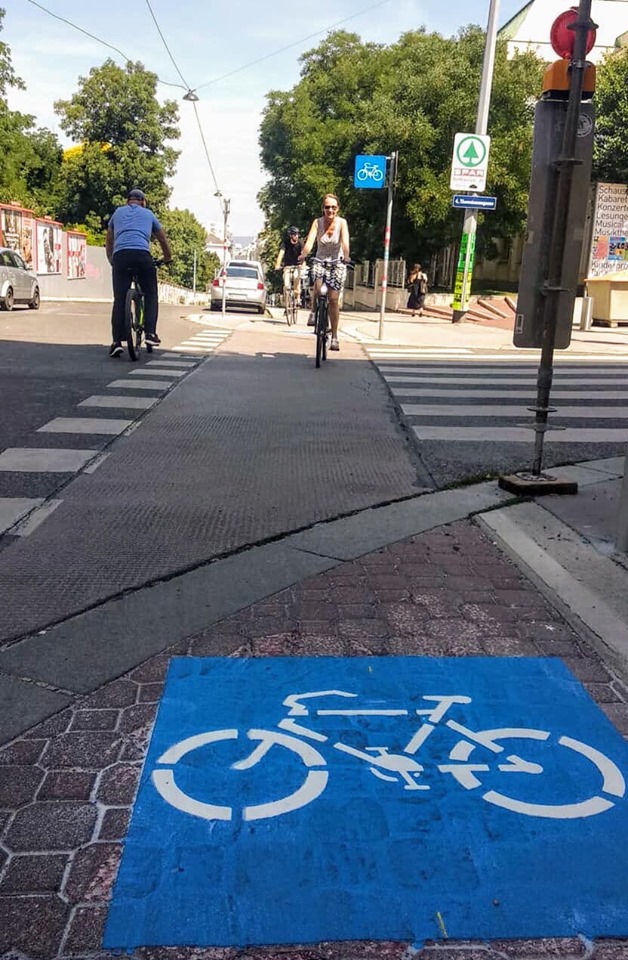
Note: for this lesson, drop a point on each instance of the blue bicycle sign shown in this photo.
(370, 172)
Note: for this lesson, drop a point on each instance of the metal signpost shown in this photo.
(469, 168)
(370, 174)
(561, 232)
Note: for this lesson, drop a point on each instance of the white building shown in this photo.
(530, 28)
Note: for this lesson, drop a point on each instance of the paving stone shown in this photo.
(210, 645)
(51, 826)
(90, 750)
(488, 613)
(571, 947)
(316, 627)
(34, 874)
(137, 718)
(153, 671)
(51, 727)
(586, 669)
(363, 629)
(92, 873)
(151, 692)
(32, 924)
(610, 950)
(357, 611)
(546, 631)
(86, 930)
(120, 693)
(275, 646)
(319, 646)
(115, 824)
(67, 785)
(508, 647)
(22, 752)
(405, 617)
(317, 610)
(19, 785)
(118, 784)
(189, 953)
(602, 693)
(95, 720)
(438, 603)
(415, 646)
(391, 596)
(617, 713)
(363, 949)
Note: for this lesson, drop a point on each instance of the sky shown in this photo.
(208, 40)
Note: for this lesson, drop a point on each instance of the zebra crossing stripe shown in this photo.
(508, 394)
(478, 433)
(509, 410)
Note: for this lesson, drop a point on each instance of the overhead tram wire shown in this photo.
(93, 36)
(290, 46)
(189, 96)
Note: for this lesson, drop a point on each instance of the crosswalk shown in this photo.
(471, 397)
(129, 395)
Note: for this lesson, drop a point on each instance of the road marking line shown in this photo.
(43, 460)
(140, 384)
(474, 434)
(509, 410)
(175, 364)
(13, 508)
(84, 425)
(37, 517)
(131, 403)
(489, 381)
(162, 373)
(176, 356)
(507, 394)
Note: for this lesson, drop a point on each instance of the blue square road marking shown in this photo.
(295, 800)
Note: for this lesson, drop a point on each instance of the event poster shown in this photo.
(17, 232)
(609, 247)
(48, 247)
(77, 256)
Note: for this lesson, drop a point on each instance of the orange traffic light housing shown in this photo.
(556, 81)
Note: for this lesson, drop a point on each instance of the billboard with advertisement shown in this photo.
(609, 229)
(16, 228)
(77, 255)
(49, 239)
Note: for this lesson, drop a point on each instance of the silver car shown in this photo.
(18, 284)
(244, 286)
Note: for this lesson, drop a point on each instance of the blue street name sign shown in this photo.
(370, 172)
(462, 202)
(306, 799)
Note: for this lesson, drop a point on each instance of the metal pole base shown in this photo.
(459, 316)
(536, 485)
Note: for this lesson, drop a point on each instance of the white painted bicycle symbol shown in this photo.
(401, 768)
(370, 171)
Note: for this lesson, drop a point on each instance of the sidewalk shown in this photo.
(463, 573)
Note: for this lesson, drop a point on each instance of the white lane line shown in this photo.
(36, 518)
(176, 356)
(507, 394)
(509, 410)
(195, 344)
(140, 384)
(201, 351)
(34, 460)
(518, 434)
(162, 373)
(131, 403)
(510, 358)
(12, 508)
(85, 425)
(174, 364)
(418, 354)
(488, 381)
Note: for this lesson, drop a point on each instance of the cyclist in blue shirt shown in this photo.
(129, 233)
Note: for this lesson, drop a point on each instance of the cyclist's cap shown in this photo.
(293, 230)
(135, 195)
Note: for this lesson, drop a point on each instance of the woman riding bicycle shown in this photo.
(331, 235)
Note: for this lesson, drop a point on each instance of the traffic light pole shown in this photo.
(554, 284)
(392, 173)
(469, 230)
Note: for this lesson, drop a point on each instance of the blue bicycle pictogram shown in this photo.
(475, 755)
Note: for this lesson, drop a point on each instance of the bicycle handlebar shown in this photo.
(349, 264)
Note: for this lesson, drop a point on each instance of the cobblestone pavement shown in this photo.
(67, 786)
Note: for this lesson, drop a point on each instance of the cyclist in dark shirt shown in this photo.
(288, 256)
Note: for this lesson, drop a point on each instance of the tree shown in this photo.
(412, 96)
(610, 152)
(187, 237)
(124, 135)
(30, 158)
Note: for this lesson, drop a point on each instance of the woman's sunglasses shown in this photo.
(330, 208)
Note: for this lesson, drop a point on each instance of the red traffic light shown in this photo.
(563, 39)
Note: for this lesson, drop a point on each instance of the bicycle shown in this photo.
(321, 311)
(400, 768)
(292, 303)
(370, 172)
(134, 317)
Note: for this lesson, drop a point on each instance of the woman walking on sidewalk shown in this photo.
(417, 285)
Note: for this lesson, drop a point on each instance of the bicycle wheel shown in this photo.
(321, 331)
(289, 307)
(295, 309)
(131, 310)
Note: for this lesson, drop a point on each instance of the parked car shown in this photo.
(18, 284)
(245, 286)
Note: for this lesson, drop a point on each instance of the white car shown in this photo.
(244, 285)
(18, 284)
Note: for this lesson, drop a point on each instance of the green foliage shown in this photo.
(186, 236)
(30, 158)
(412, 96)
(610, 152)
(124, 133)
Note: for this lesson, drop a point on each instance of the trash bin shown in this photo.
(610, 297)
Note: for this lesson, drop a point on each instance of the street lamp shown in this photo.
(226, 206)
